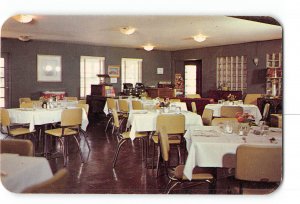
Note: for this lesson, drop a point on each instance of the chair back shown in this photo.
(116, 118)
(71, 98)
(259, 163)
(50, 185)
(207, 116)
(194, 108)
(24, 100)
(173, 123)
(26, 105)
(111, 103)
(266, 111)
(164, 143)
(5, 120)
(137, 105)
(172, 100)
(251, 99)
(71, 117)
(230, 111)
(217, 121)
(193, 96)
(84, 106)
(82, 101)
(123, 105)
(17, 146)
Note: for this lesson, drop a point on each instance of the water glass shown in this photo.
(228, 127)
(264, 130)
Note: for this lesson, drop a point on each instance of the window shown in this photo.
(232, 73)
(2, 83)
(190, 79)
(90, 67)
(131, 71)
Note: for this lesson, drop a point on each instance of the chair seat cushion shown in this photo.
(19, 131)
(196, 176)
(58, 132)
(171, 141)
(137, 134)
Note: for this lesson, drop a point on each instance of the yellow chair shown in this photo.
(137, 105)
(175, 127)
(85, 107)
(194, 107)
(24, 100)
(70, 126)
(17, 146)
(111, 105)
(125, 136)
(71, 98)
(178, 176)
(82, 101)
(26, 105)
(251, 99)
(230, 111)
(207, 116)
(17, 131)
(193, 96)
(259, 164)
(51, 185)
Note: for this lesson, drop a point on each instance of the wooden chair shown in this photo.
(70, 126)
(125, 136)
(14, 131)
(207, 116)
(178, 176)
(251, 99)
(137, 105)
(230, 111)
(175, 128)
(17, 146)
(52, 185)
(258, 165)
(193, 96)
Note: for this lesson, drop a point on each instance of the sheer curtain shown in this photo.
(131, 71)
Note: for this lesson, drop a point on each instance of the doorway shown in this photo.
(193, 77)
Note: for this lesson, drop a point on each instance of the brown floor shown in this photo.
(130, 176)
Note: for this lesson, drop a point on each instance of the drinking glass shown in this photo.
(264, 130)
(229, 127)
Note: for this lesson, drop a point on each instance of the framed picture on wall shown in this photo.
(114, 71)
(49, 68)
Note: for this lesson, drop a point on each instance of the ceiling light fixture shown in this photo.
(24, 38)
(127, 30)
(23, 18)
(199, 38)
(148, 47)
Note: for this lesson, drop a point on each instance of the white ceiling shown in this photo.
(164, 32)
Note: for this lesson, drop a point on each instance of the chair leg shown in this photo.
(85, 139)
(121, 142)
(78, 144)
(158, 161)
(172, 187)
(179, 155)
(108, 122)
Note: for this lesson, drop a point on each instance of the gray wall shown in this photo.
(256, 74)
(23, 65)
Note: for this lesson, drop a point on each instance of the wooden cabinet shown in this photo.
(103, 90)
(160, 92)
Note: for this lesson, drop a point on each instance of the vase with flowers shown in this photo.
(245, 121)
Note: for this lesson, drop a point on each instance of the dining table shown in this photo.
(19, 172)
(211, 146)
(247, 108)
(145, 120)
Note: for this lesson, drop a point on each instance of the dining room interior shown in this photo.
(123, 104)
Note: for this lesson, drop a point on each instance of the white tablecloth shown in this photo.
(40, 116)
(247, 108)
(20, 172)
(207, 145)
(143, 120)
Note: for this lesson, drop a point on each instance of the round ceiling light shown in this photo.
(23, 18)
(127, 30)
(148, 47)
(199, 38)
(24, 38)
